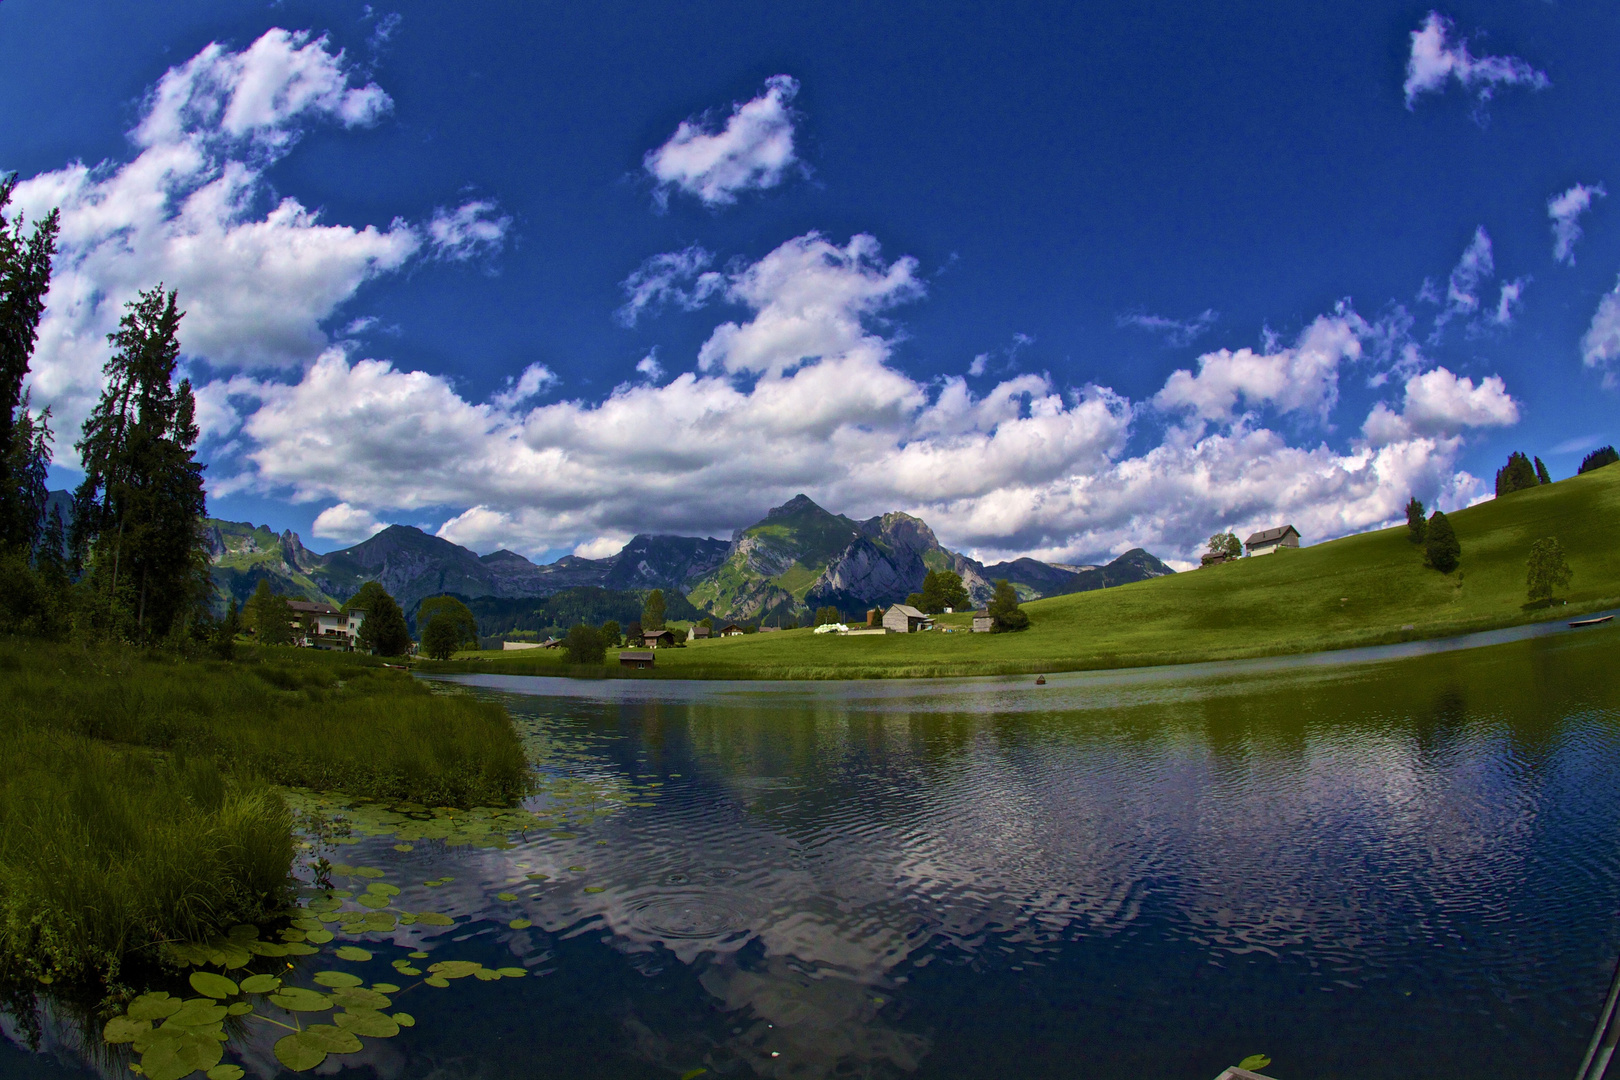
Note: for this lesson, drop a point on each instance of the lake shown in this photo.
(1395, 868)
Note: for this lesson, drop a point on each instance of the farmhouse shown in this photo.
(657, 639)
(698, 632)
(636, 659)
(1266, 541)
(904, 619)
(731, 630)
(324, 626)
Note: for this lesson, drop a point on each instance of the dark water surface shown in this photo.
(1408, 868)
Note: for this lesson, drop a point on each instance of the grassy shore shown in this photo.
(1362, 590)
(137, 791)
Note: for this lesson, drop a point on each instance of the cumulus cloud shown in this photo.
(682, 278)
(1177, 333)
(1565, 211)
(650, 367)
(753, 151)
(535, 378)
(804, 396)
(472, 229)
(1440, 404)
(346, 524)
(1303, 378)
(1436, 58)
(257, 280)
(1600, 345)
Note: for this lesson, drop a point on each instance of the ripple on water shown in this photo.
(690, 915)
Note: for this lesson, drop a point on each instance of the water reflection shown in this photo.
(1380, 870)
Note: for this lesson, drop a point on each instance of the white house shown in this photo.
(1266, 541)
(332, 629)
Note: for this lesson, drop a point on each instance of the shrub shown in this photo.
(1415, 525)
(584, 645)
(1007, 616)
(1546, 570)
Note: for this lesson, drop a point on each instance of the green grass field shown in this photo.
(1361, 590)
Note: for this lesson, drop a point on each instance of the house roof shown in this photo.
(312, 609)
(700, 631)
(729, 626)
(657, 633)
(1266, 536)
(908, 611)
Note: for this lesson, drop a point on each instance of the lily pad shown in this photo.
(373, 900)
(306, 924)
(353, 952)
(121, 1029)
(595, 888)
(270, 948)
(298, 948)
(157, 1005)
(171, 1059)
(454, 969)
(408, 970)
(402, 847)
(300, 999)
(318, 937)
(538, 877)
(298, 1053)
(486, 975)
(294, 934)
(358, 997)
(404, 1019)
(367, 872)
(506, 897)
(1254, 1061)
(512, 972)
(385, 988)
(367, 1022)
(417, 955)
(435, 980)
(260, 984)
(382, 888)
(214, 986)
(226, 1072)
(337, 978)
(238, 1008)
(434, 918)
(196, 1012)
(520, 924)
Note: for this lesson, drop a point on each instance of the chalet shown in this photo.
(698, 632)
(1266, 541)
(636, 659)
(731, 630)
(982, 622)
(1213, 558)
(657, 639)
(904, 619)
(325, 627)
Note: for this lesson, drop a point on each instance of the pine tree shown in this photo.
(1597, 459)
(1541, 472)
(1516, 475)
(1441, 549)
(1415, 525)
(137, 515)
(652, 612)
(25, 275)
(383, 631)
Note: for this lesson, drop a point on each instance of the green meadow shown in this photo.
(140, 793)
(1360, 590)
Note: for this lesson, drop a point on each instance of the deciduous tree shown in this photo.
(1226, 544)
(442, 637)
(1004, 610)
(1547, 569)
(461, 619)
(652, 610)
(584, 645)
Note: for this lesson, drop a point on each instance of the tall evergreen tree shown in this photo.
(1415, 525)
(1597, 459)
(137, 515)
(1516, 475)
(1541, 472)
(652, 612)
(25, 275)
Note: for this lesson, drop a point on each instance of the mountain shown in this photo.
(244, 554)
(1033, 579)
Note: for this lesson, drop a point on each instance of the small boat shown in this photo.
(1040, 680)
(1592, 622)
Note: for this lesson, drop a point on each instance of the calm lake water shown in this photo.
(1395, 869)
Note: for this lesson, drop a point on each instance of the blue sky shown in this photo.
(944, 260)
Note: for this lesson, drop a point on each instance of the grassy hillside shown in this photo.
(1361, 590)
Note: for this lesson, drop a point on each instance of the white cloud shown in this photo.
(1600, 346)
(1565, 211)
(346, 524)
(650, 367)
(535, 378)
(1508, 301)
(674, 277)
(471, 229)
(1435, 59)
(1440, 404)
(257, 280)
(803, 396)
(1176, 333)
(1476, 266)
(752, 152)
(1303, 378)
(602, 546)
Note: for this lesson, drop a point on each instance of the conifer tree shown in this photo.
(1415, 525)
(1441, 549)
(25, 275)
(1597, 459)
(1541, 472)
(1516, 475)
(137, 515)
(652, 612)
